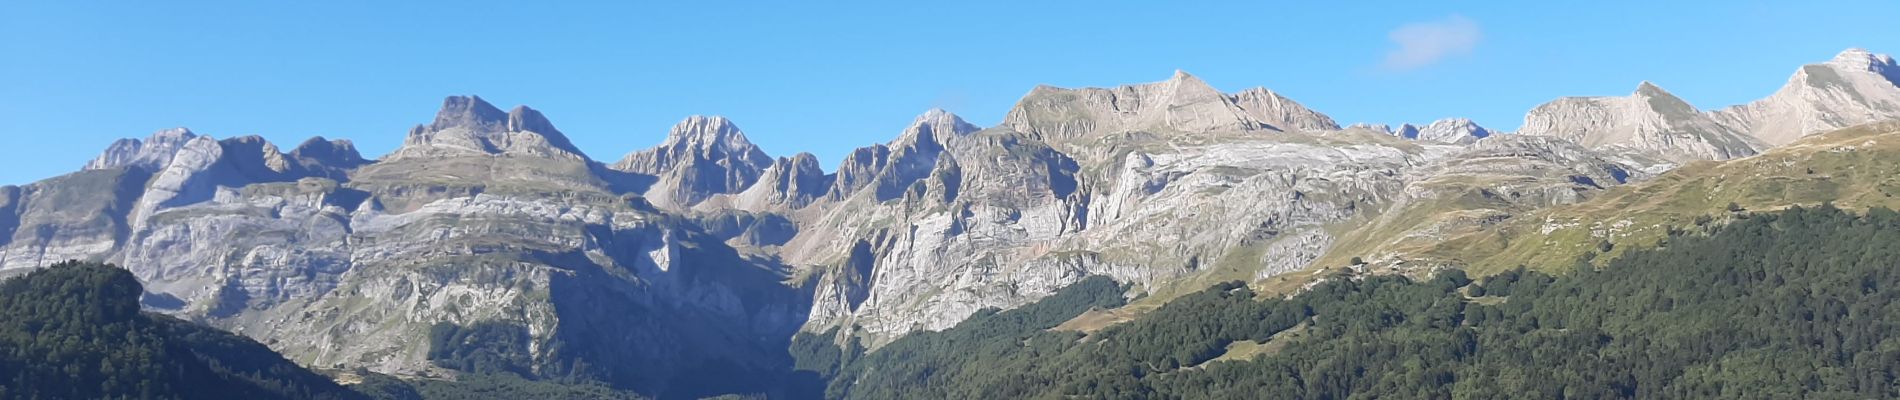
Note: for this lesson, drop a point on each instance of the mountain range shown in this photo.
(704, 255)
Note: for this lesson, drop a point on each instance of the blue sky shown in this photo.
(830, 77)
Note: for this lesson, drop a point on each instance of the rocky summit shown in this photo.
(1856, 87)
(704, 255)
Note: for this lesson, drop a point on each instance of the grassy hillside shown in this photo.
(1853, 168)
(1791, 304)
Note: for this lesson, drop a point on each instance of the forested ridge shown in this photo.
(1796, 304)
(74, 331)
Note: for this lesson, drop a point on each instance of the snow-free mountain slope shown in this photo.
(702, 256)
(702, 156)
(1855, 87)
(1182, 103)
(1649, 121)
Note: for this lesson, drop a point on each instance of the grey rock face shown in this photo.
(1856, 87)
(473, 148)
(1180, 104)
(789, 183)
(487, 217)
(467, 125)
(74, 216)
(147, 155)
(258, 241)
(1449, 130)
(1649, 121)
(328, 158)
(702, 156)
(892, 169)
(1366, 126)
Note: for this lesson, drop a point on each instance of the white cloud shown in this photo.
(1425, 43)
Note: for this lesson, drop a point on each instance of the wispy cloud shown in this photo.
(1421, 44)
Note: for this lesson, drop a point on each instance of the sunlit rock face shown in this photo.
(702, 157)
(1856, 87)
(705, 250)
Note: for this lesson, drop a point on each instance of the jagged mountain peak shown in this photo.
(468, 125)
(1856, 86)
(1650, 120)
(525, 119)
(150, 154)
(319, 144)
(318, 152)
(1281, 112)
(936, 125)
(1848, 66)
(256, 158)
(939, 116)
(701, 157)
(708, 130)
(1455, 130)
(180, 134)
(1663, 102)
(803, 158)
(1647, 88)
(1861, 58)
(1181, 104)
(790, 182)
(1454, 121)
(1447, 130)
(468, 112)
(1186, 86)
(475, 114)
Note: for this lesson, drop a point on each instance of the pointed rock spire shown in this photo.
(790, 183)
(697, 137)
(701, 157)
(709, 133)
(889, 170)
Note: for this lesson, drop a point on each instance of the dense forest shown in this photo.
(74, 331)
(1798, 304)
